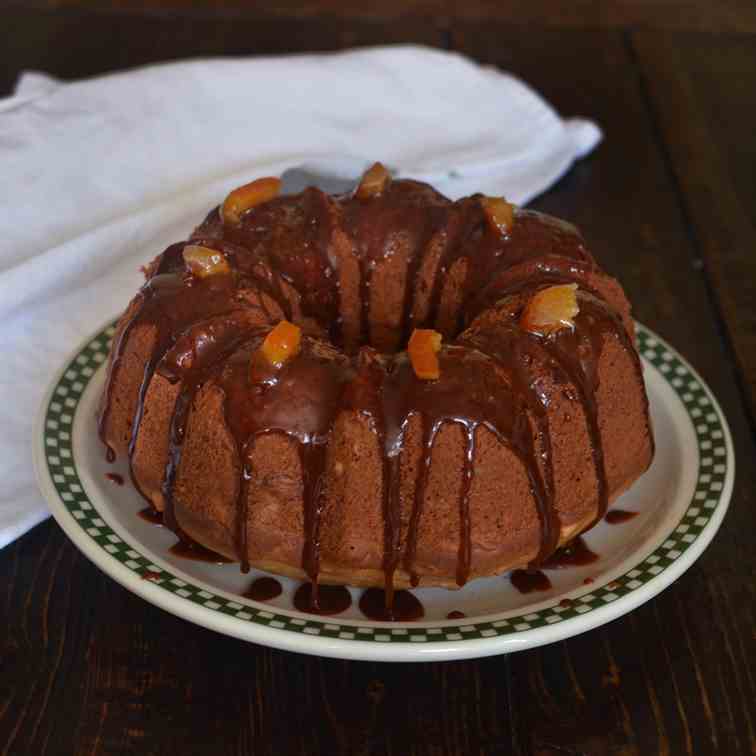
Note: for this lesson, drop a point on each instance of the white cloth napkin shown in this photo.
(98, 176)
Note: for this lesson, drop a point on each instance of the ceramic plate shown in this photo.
(680, 503)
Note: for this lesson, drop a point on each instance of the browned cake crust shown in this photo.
(344, 466)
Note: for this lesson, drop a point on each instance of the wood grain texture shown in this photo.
(74, 44)
(701, 90)
(89, 668)
(693, 15)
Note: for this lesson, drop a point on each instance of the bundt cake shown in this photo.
(384, 388)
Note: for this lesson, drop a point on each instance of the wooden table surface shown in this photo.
(668, 202)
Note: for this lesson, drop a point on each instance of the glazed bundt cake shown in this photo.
(385, 388)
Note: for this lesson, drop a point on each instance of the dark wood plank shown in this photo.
(702, 93)
(698, 15)
(731, 15)
(673, 677)
(75, 44)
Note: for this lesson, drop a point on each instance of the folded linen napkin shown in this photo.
(100, 175)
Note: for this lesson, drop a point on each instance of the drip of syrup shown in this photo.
(263, 589)
(574, 554)
(405, 607)
(197, 553)
(529, 581)
(617, 516)
(151, 515)
(329, 599)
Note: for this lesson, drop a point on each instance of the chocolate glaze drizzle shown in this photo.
(617, 516)
(470, 395)
(151, 515)
(263, 589)
(530, 581)
(573, 554)
(196, 552)
(402, 218)
(199, 332)
(404, 606)
(322, 599)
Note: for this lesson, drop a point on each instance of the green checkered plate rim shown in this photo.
(80, 518)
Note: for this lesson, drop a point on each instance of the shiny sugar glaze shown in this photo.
(618, 516)
(322, 599)
(151, 515)
(263, 589)
(403, 606)
(185, 548)
(530, 581)
(207, 330)
(574, 554)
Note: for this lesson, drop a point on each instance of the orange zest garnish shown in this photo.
(551, 309)
(282, 343)
(423, 348)
(499, 213)
(248, 196)
(203, 261)
(373, 181)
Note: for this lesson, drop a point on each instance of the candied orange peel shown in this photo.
(423, 348)
(374, 181)
(551, 309)
(282, 343)
(248, 196)
(499, 213)
(203, 261)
